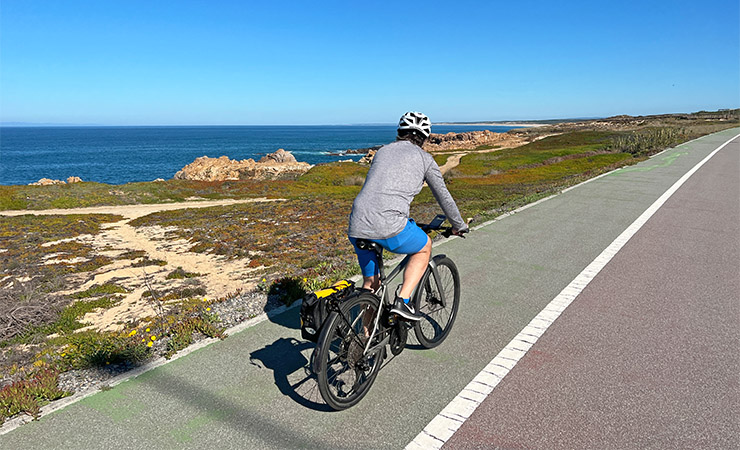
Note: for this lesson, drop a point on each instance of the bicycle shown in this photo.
(351, 347)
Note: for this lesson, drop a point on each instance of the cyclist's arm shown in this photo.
(436, 183)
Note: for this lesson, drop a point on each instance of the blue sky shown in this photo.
(324, 62)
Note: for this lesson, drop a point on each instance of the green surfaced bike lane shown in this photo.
(253, 390)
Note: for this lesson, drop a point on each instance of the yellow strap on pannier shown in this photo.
(336, 287)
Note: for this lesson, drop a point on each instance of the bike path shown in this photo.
(252, 390)
(647, 355)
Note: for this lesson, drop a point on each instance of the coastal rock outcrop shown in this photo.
(470, 140)
(278, 165)
(46, 182)
(49, 182)
(280, 156)
(368, 158)
(356, 151)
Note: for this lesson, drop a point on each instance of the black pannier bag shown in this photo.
(316, 307)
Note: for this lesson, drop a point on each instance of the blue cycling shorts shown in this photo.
(411, 240)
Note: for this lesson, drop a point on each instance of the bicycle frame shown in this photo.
(384, 295)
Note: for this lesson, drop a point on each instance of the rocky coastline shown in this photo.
(282, 164)
(471, 140)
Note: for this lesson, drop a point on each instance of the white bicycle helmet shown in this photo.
(416, 121)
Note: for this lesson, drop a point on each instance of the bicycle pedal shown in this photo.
(389, 318)
(398, 338)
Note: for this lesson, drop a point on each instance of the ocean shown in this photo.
(118, 155)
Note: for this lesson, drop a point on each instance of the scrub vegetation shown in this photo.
(294, 246)
(302, 239)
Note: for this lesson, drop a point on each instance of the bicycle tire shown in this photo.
(344, 374)
(437, 321)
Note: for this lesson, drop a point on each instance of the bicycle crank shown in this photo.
(399, 335)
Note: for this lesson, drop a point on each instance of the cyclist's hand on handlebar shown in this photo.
(449, 231)
(460, 233)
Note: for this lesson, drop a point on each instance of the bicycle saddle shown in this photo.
(367, 244)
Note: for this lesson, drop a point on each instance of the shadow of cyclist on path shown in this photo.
(288, 358)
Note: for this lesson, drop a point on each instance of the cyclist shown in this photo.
(380, 211)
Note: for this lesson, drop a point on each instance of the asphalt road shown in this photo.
(647, 356)
(252, 390)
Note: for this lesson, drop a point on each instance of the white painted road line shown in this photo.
(449, 420)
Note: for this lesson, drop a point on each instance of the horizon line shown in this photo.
(447, 122)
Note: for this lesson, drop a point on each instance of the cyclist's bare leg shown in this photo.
(372, 282)
(415, 269)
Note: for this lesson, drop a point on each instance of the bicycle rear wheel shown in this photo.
(344, 372)
(437, 318)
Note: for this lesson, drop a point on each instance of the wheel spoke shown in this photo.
(437, 318)
(346, 372)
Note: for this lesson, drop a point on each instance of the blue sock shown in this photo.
(406, 300)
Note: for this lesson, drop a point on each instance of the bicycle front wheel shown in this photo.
(437, 315)
(344, 371)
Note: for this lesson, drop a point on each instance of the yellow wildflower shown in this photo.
(154, 338)
(147, 330)
(149, 344)
(208, 309)
(63, 355)
(133, 332)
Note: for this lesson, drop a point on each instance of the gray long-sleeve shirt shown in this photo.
(397, 174)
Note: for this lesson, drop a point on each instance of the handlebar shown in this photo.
(436, 225)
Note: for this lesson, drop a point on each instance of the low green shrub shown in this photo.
(68, 319)
(196, 317)
(287, 289)
(99, 349)
(100, 289)
(335, 174)
(132, 254)
(27, 396)
(648, 141)
(180, 273)
(146, 261)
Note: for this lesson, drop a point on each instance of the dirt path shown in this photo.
(452, 161)
(134, 211)
(454, 158)
(219, 277)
